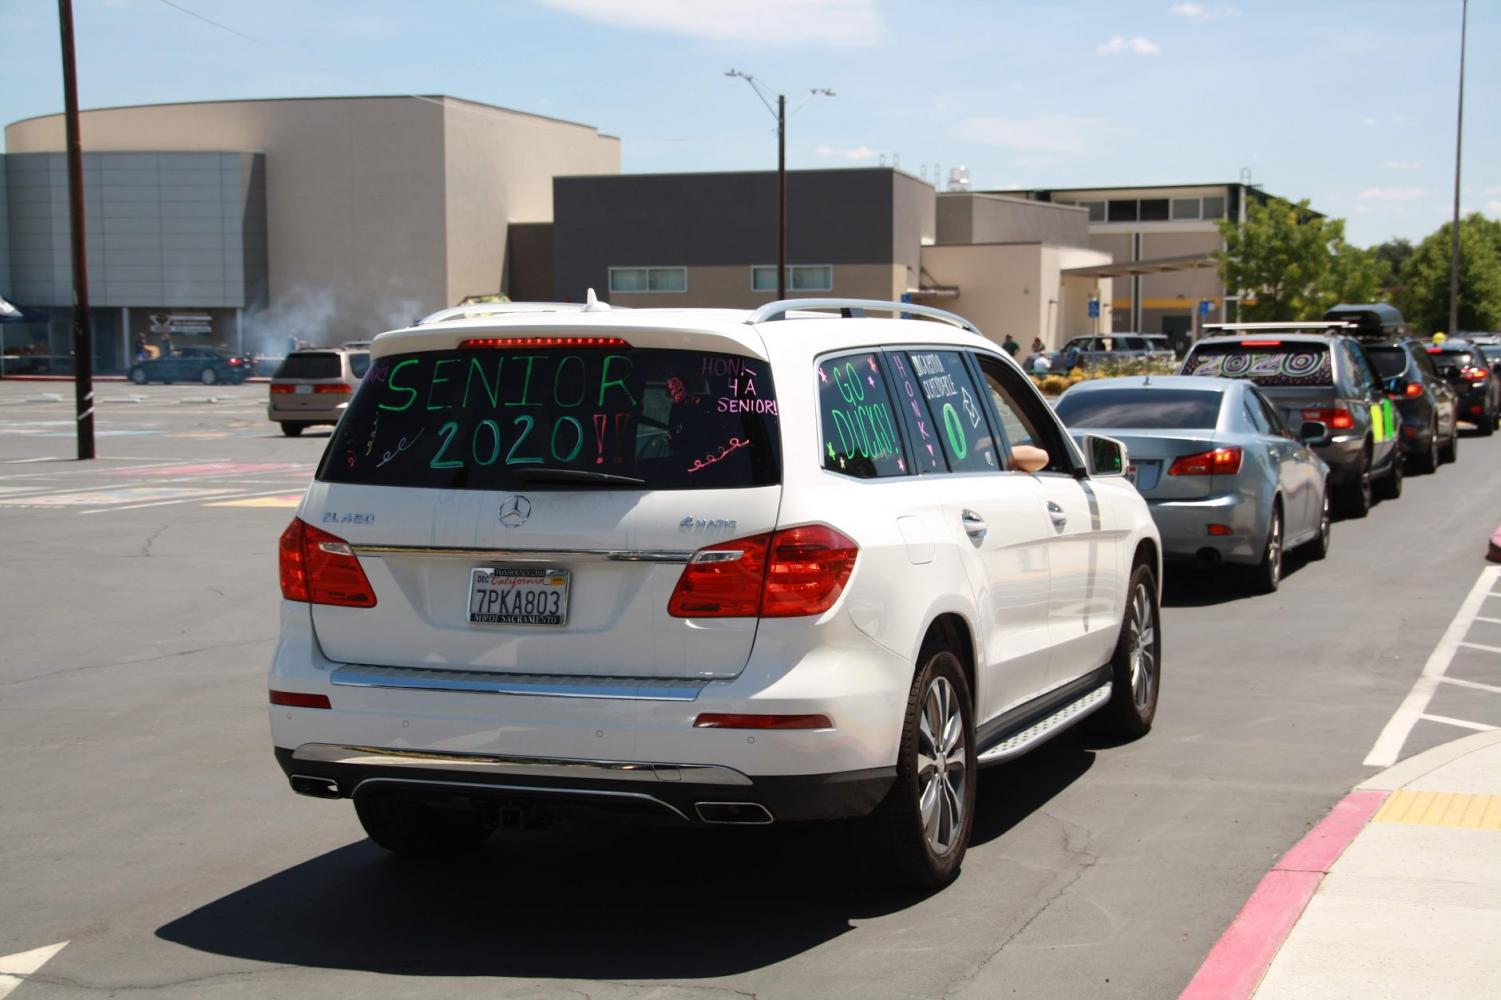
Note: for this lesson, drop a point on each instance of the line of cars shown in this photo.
(1269, 428)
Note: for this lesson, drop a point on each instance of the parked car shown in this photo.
(315, 386)
(209, 365)
(1467, 369)
(1119, 347)
(720, 566)
(1225, 478)
(1427, 405)
(1323, 377)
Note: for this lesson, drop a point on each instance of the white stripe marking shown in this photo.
(86, 414)
(1476, 685)
(198, 499)
(1461, 723)
(1478, 645)
(1388, 746)
(1483, 618)
(14, 969)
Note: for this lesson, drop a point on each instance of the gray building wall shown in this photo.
(161, 228)
(974, 217)
(834, 217)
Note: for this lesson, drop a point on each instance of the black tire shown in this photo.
(1266, 576)
(1355, 496)
(1136, 666)
(896, 842)
(1318, 548)
(291, 429)
(209, 377)
(1450, 451)
(138, 375)
(1427, 463)
(1486, 425)
(1391, 483)
(426, 830)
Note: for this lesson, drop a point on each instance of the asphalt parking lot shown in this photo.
(146, 824)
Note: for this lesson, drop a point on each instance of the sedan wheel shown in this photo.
(1266, 576)
(138, 375)
(1318, 548)
(209, 376)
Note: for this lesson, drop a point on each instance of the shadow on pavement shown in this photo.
(597, 902)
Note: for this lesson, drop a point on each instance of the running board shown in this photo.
(1019, 743)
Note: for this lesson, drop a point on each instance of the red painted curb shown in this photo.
(1239, 959)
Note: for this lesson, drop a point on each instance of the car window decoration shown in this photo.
(1289, 365)
(858, 428)
(954, 407)
(490, 419)
(928, 455)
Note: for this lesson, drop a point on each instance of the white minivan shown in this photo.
(721, 566)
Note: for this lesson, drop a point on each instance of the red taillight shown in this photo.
(319, 568)
(1413, 390)
(1221, 530)
(340, 389)
(1219, 462)
(296, 699)
(1435, 350)
(729, 720)
(506, 342)
(1261, 343)
(235, 362)
(1472, 374)
(794, 572)
(277, 390)
(1335, 418)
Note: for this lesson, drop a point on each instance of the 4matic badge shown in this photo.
(514, 510)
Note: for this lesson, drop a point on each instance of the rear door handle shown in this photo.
(1060, 519)
(974, 526)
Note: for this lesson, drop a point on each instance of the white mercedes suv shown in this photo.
(722, 566)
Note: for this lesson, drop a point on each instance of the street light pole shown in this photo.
(1459, 129)
(780, 113)
(83, 341)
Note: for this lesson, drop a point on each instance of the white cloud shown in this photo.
(1493, 189)
(1368, 120)
(857, 153)
(1044, 133)
(1199, 12)
(1403, 164)
(1140, 46)
(1399, 119)
(1493, 206)
(1391, 194)
(1362, 209)
(777, 22)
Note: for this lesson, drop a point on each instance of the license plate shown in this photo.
(304, 390)
(518, 595)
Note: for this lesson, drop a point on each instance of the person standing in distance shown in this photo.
(1010, 345)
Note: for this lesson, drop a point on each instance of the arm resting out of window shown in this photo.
(1026, 458)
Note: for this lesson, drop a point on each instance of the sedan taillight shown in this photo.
(1219, 462)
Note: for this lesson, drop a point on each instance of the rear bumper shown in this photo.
(304, 415)
(1184, 527)
(686, 793)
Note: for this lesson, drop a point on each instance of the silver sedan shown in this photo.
(1225, 478)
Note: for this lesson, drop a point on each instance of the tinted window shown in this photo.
(954, 409)
(1140, 408)
(1492, 352)
(1360, 369)
(858, 426)
(1292, 364)
(310, 364)
(1389, 361)
(359, 363)
(482, 419)
(1122, 211)
(1154, 210)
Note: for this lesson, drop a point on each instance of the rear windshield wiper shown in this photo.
(581, 477)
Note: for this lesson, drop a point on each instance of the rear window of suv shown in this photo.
(553, 418)
(1280, 364)
(1389, 361)
(1141, 409)
(310, 364)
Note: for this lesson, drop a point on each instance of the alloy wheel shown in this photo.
(942, 766)
(1274, 547)
(1141, 638)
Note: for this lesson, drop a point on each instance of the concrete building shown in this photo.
(245, 223)
(875, 233)
(1162, 241)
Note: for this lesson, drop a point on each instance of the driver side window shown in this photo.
(1024, 417)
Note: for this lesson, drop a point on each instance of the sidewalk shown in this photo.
(1396, 893)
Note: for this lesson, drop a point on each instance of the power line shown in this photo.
(209, 20)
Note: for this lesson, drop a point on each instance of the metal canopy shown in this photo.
(1129, 268)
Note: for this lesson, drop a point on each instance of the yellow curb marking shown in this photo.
(287, 500)
(1475, 812)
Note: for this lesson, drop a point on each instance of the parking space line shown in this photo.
(1483, 618)
(1388, 745)
(1472, 684)
(1480, 645)
(1479, 727)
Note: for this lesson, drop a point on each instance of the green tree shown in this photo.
(1426, 275)
(1288, 263)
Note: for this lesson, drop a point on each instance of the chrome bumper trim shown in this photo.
(534, 767)
(543, 555)
(536, 685)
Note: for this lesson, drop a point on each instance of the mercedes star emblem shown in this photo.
(514, 511)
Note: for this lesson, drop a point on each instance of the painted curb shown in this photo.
(1236, 964)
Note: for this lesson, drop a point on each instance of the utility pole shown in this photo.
(83, 341)
(1459, 130)
(780, 113)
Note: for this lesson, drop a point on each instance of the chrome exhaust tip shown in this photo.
(735, 813)
(318, 788)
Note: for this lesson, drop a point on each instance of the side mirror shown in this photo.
(1314, 433)
(1104, 456)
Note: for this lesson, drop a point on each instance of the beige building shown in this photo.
(327, 219)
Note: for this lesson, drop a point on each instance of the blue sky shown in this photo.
(1349, 103)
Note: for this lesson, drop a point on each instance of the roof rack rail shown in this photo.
(852, 308)
(1295, 324)
(474, 310)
